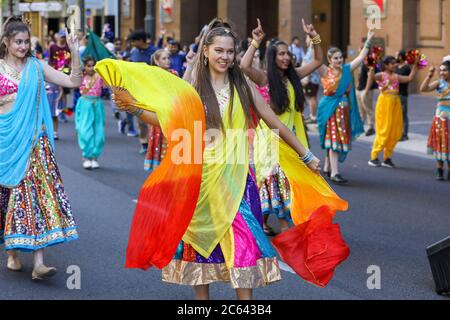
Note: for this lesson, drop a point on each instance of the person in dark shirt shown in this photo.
(365, 99)
(177, 59)
(403, 69)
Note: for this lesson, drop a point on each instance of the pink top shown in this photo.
(92, 86)
(264, 92)
(7, 86)
(389, 84)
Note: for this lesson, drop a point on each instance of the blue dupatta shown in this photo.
(21, 128)
(328, 105)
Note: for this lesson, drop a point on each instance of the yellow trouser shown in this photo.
(388, 124)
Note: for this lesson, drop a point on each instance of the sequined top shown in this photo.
(92, 86)
(223, 97)
(9, 83)
(389, 84)
(443, 91)
(331, 82)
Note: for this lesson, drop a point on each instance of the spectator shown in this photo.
(297, 50)
(403, 69)
(177, 58)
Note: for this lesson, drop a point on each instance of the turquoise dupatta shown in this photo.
(21, 128)
(328, 105)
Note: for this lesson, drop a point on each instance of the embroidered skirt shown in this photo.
(275, 195)
(439, 138)
(157, 148)
(37, 213)
(255, 262)
(338, 132)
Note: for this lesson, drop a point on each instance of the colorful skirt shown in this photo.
(255, 262)
(275, 195)
(439, 138)
(157, 148)
(37, 213)
(338, 136)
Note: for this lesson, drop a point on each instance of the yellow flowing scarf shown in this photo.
(309, 191)
(224, 176)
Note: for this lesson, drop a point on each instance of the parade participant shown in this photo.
(157, 143)
(90, 116)
(403, 69)
(60, 59)
(213, 206)
(311, 83)
(281, 84)
(439, 137)
(388, 114)
(338, 118)
(34, 210)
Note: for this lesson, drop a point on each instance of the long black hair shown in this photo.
(279, 95)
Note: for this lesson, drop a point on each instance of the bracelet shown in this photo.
(368, 44)
(255, 44)
(136, 112)
(316, 40)
(308, 157)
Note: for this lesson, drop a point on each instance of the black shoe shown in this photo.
(404, 138)
(370, 132)
(337, 179)
(374, 163)
(327, 174)
(388, 163)
(440, 174)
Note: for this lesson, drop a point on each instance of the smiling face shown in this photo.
(19, 45)
(221, 54)
(163, 60)
(391, 66)
(444, 72)
(337, 60)
(283, 59)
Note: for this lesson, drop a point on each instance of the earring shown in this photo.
(205, 62)
(232, 65)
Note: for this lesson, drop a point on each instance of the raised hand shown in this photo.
(370, 34)
(72, 41)
(431, 71)
(258, 33)
(309, 29)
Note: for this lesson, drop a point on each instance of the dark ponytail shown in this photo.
(12, 26)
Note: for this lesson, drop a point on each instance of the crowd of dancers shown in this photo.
(208, 221)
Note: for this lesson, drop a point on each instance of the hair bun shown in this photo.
(218, 23)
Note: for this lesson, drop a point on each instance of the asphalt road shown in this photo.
(394, 215)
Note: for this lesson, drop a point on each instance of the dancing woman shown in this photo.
(338, 116)
(388, 111)
(439, 137)
(211, 205)
(34, 210)
(281, 84)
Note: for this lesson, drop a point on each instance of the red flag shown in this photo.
(380, 4)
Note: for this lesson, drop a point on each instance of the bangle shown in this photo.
(136, 112)
(368, 44)
(255, 44)
(316, 40)
(308, 157)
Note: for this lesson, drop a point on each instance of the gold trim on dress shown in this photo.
(182, 272)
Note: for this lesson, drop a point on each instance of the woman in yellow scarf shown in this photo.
(205, 193)
(286, 99)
